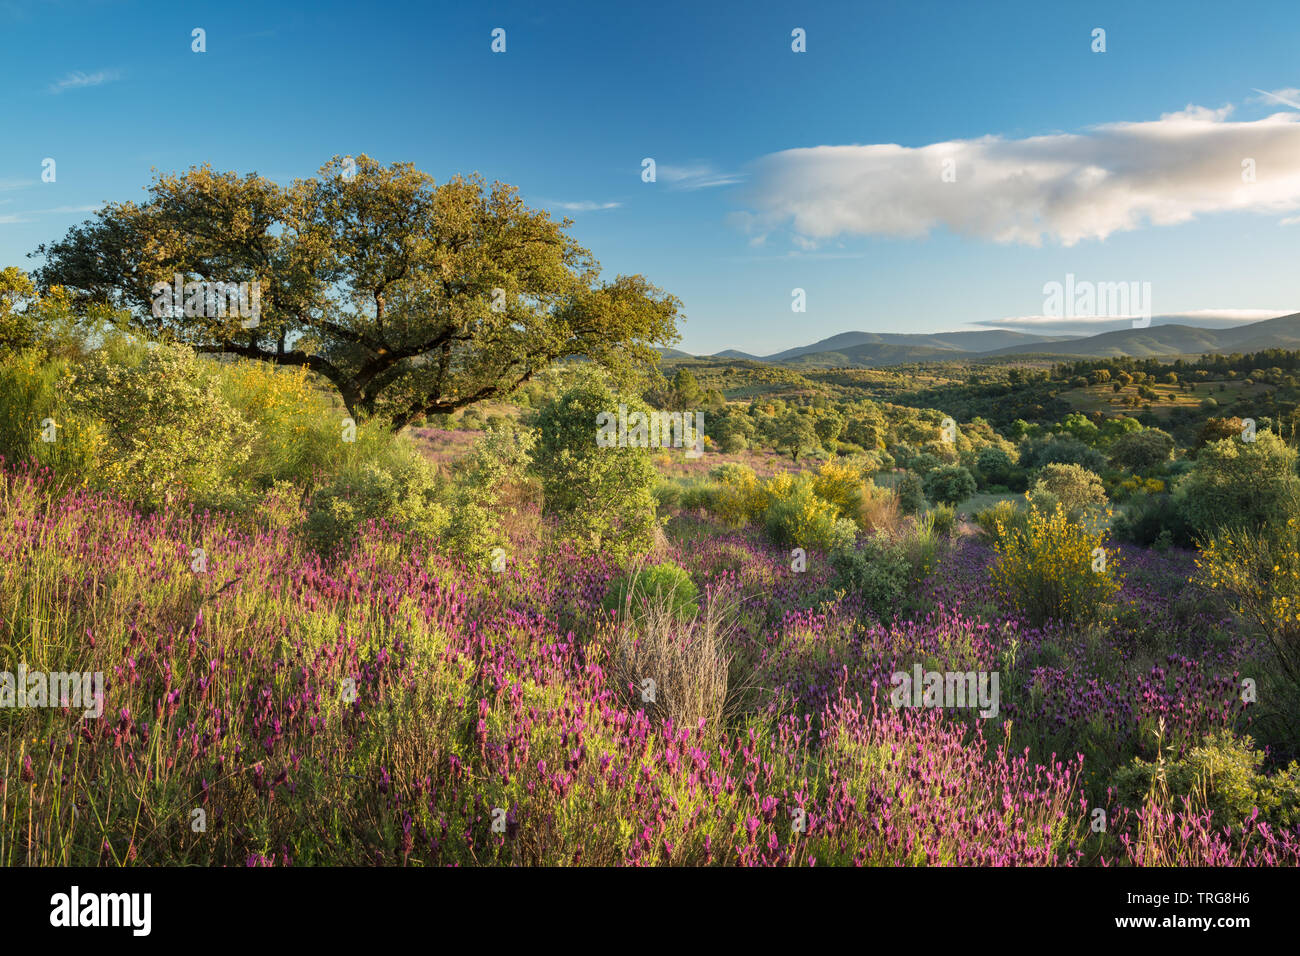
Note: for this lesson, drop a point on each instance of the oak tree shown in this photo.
(412, 298)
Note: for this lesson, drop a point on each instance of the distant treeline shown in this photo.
(1216, 366)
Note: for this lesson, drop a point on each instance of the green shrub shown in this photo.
(844, 532)
(949, 485)
(1076, 488)
(877, 570)
(911, 494)
(734, 442)
(665, 582)
(1222, 775)
(700, 493)
(1002, 518)
(944, 518)
(668, 496)
(924, 463)
(165, 430)
(1035, 453)
(499, 459)
(798, 518)
(404, 495)
(601, 495)
(995, 466)
(1146, 518)
(1248, 484)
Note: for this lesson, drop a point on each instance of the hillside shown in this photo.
(877, 349)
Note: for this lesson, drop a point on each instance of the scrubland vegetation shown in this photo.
(463, 632)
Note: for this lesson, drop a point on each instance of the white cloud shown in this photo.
(1289, 96)
(585, 205)
(77, 80)
(696, 176)
(23, 216)
(64, 209)
(1064, 187)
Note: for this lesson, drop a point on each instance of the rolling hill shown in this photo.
(876, 349)
(1175, 340)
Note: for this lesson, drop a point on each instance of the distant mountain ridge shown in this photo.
(978, 341)
(871, 349)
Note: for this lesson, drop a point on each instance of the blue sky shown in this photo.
(776, 170)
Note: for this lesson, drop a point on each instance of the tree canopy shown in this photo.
(412, 298)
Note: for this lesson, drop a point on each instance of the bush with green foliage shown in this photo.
(911, 494)
(943, 519)
(1142, 451)
(949, 485)
(701, 494)
(1247, 484)
(1146, 517)
(665, 582)
(878, 570)
(1223, 775)
(1076, 488)
(1001, 519)
(499, 458)
(404, 494)
(164, 430)
(601, 497)
(994, 466)
(668, 496)
(923, 463)
(1035, 453)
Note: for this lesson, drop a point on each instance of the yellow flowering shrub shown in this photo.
(1262, 570)
(35, 423)
(843, 487)
(1053, 568)
(296, 432)
(740, 498)
(779, 486)
(797, 517)
(1138, 484)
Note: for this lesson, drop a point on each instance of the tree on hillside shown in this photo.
(828, 427)
(794, 433)
(1217, 429)
(411, 298)
(1142, 451)
(1076, 488)
(687, 393)
(1243, 484)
